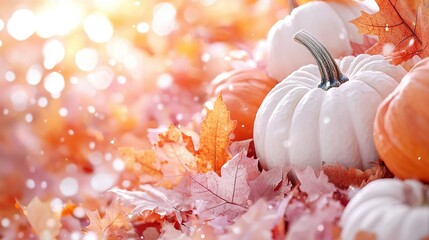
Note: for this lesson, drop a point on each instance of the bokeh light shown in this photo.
(22, 24)
(81, 78)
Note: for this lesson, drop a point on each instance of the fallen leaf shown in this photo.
(215, 131)
(258, 222)
(344, 178)
(175, 135)
(360, 48)
(141, 161)
(176, 160)
(161, 201)
(226, 195)
(170, 232)
(265, 185)
(315, 186)
(317, 222)
(401, 27)
(45, 222)
(112, 224)
(362, 235)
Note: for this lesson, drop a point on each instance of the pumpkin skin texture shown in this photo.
(243, 91)
(389, 208)
(333, 30)
(401, 128)
(303, 125)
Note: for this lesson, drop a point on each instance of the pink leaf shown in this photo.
(265, 185)
(226, 195)
(360, 48)
(239, 146)
(257, 222)
(318, 223)
(314, 186)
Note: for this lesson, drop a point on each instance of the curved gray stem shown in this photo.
(329, 70)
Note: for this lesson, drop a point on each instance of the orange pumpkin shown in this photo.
(243, 91)
(401, 129)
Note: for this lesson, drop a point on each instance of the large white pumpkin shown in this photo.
(328, 21)
(389, 208)
(302, 124)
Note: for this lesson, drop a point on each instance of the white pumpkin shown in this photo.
(328, 21)
(304, 123)
(389, 208)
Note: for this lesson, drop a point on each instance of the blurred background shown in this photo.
(80, 78)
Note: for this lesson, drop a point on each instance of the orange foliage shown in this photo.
(402, 25)
(215, 138)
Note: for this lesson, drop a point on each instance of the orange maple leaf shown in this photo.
(113, 222)
(45, 221)
(175, 135)
(343, 177)
(214, 138)
(401, 26)
(142, 161)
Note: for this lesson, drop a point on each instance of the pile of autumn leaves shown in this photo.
(219, 192)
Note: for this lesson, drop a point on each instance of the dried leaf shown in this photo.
(317, 222)
(141, 161)
(176, 161)
(401, 27)
(239, 146)
(175, 135)
(114, 222)
(360, 48)
(170, 232)
(314, 186)
(344, 178)
(226, 195)
(214, 138)
(161, 201)
(362, 235)
(258, 222)
(266, 185)
(45, 222)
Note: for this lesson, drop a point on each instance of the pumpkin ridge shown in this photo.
(370, 86)
(303, 104)
(354, 128)
(290, 95)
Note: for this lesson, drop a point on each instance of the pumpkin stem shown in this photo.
(329, 70)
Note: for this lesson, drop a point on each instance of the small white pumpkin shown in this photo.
(304, 123)
(389, 208)
(327, 21)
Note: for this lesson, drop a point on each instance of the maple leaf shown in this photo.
(401, 26)
(176, 160)
(141, 161)
(214, 138)
(258, 222)
(161, 201)
(175, 135)
(226, 195)
(239, 146)
(45, 222)
(111, 225)
(314, 186)
(318, 221)
(266, 185)
(344, 178)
